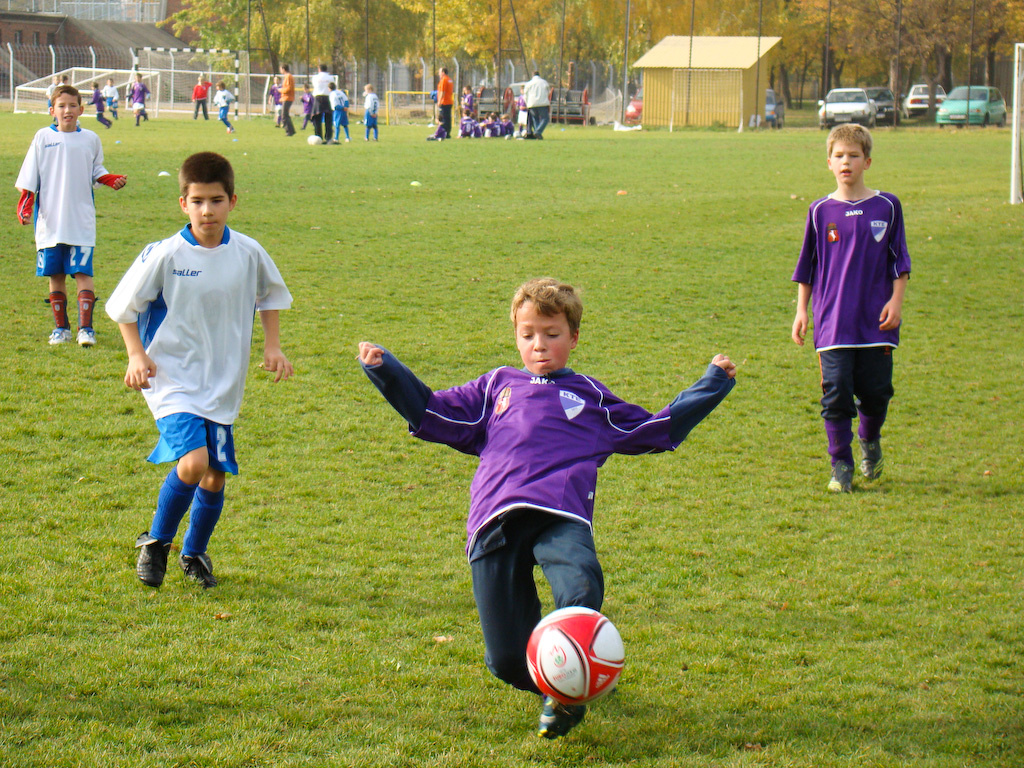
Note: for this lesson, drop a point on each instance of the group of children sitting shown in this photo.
(470, 128)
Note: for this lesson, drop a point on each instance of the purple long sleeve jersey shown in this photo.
(540, 439)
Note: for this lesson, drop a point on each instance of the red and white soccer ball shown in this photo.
(575, 655)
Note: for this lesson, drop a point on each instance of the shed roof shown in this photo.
(673, 52)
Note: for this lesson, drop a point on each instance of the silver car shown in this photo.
(847, 105)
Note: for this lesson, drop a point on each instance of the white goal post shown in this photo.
(1016, 180)
(31, 96)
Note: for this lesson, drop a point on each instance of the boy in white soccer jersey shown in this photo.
(185, 309)
(62, 164)
(222, 100)
(110, 94)
(371, 104)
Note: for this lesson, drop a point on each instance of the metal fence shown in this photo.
(147, 11)
(21, 64)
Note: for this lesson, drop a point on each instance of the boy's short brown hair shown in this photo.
(550, 297)
(850, 133)
(62, 90)
(206, 168)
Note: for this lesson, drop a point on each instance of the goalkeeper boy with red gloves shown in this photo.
(63, 163)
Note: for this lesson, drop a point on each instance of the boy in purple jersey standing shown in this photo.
(853, 269)
(541, 433)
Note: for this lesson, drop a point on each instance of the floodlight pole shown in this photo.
(367, 40)
(899, 44)
(970, 66)
(625, 66)
(757, 75)
(826, 76)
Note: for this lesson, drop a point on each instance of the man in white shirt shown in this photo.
(323, 123)
(538, 104)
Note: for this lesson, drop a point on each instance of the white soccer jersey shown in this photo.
(61, 168)
(371, 103)
(195, 308)
(223, 98)
(110, 92)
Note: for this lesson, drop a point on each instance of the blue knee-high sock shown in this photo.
(205, 513)
(171, 506)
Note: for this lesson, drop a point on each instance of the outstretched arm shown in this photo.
(692, 405)
(400, 387)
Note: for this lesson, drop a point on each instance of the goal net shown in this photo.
(180, 69)
(1017, 151)
(31, 96)
(408, 107)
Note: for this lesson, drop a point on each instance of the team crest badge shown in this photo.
(832, 234)
(504, 398)
(878, 230)
(571, 404)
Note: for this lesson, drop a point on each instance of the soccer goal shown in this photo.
(408, 107)
(31, 96)
(1016, 157)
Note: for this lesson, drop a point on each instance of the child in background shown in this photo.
(468, 101)
(274, 100)
(307, 105)
(522, 115)
(200, 93)
(490, 126)
(339, 105)
(63, 163)
(137, 93)
(507, 129)
(853, 270)
(371, 104)
(440, 134)
(467, 126)
(110, 94)
(185, 311)
(222, 100)
(100, 103)
(541, 433)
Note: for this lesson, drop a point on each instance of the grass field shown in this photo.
(766, 622)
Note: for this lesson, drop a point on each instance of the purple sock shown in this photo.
(840, 440)
(870, 427)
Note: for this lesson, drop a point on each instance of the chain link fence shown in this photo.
(23, 64)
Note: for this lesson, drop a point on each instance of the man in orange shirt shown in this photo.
(287, 97)
(445, 99)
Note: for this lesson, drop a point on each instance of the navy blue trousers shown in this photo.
(855, 379)
(502, 562)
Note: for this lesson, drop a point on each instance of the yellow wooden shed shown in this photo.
(713, 83)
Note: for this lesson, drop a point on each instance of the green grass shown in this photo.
(766, 622)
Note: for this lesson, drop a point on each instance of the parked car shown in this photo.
(846, 105)
(986, 107)
(916, 102)
(885, 103)
(774, 110)
(635, 108)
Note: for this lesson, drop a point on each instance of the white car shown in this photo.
(916, 102)
(847, 105)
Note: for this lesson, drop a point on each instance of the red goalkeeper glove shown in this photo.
(25, 205)
(113, 180)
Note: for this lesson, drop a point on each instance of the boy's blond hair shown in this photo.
(550, 297)
(850, 133)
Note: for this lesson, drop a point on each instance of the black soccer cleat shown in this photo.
(557, 719)
(199, 569)
(152, 563)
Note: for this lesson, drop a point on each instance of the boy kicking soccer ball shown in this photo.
(853, 269)
(541, 433)
(185, 310)
(61, 167)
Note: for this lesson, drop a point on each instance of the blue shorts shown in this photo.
(64, 260)
(341, 117)
(181, 433)
(370, 121)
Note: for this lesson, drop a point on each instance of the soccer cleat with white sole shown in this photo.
(60, 336)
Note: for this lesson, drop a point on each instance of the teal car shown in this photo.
(986, 107)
